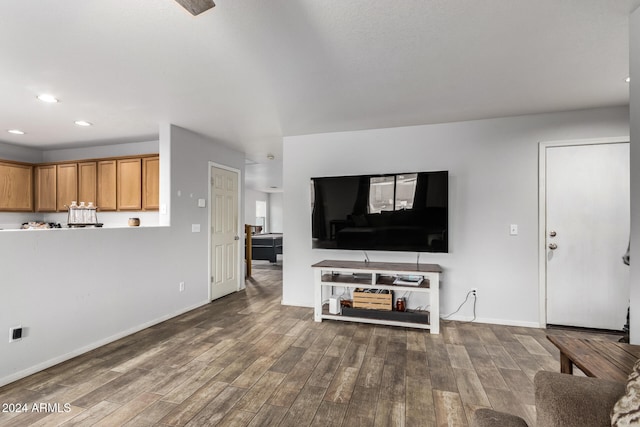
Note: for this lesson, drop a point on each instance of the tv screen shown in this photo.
(389, 212)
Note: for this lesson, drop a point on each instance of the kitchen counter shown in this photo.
(65, 228)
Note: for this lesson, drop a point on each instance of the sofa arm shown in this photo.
(484, 417)
(567, 400)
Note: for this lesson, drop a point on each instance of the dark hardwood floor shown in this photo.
(246, 360)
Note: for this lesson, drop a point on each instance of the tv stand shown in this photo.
(329, 274)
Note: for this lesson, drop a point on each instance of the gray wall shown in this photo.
(250, 198)
(73, 290)
(20, 154)
(493, 170)
(275, 212)
(274, 209)
(634, 66)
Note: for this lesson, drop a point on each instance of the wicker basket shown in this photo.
(373, 299)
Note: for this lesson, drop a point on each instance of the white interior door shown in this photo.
(224, 232)
(587, 232)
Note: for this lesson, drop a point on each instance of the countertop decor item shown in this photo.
(134, 222)
(82, 215)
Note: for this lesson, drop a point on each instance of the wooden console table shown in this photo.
(376, 275)
(609, 360)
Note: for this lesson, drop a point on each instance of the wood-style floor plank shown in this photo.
(246, 360)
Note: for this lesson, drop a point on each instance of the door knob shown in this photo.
(552, 233)
(236, 238)
(553, 246)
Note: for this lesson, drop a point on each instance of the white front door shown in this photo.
(224, 232)
(587, 232)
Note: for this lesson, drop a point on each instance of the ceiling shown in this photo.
(249, 72)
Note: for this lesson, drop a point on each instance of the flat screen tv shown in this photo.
(387, 212)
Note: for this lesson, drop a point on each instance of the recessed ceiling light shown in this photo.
(628, 79)
(45, 97)
(16, 131)
(82, 123)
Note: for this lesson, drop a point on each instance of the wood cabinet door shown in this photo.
(87, 182)
(107, 177)
(129, 184)
(151, 183)
(67, 185)
(16, 187)
(45, 188)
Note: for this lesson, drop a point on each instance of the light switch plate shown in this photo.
(195, 228)
(202, 203)
(513, 229)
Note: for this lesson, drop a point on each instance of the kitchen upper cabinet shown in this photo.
(151, 183)
(129, 184)
(67, 185)
(45, 188)
(87, 182)
(16, 187)
(107, 187)
(122, 184)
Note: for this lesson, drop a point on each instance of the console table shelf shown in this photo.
(329, 274)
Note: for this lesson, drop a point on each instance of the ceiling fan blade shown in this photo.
(196, 7)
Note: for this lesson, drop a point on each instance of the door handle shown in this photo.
(552, 233)
(236, 238)
(553, 246)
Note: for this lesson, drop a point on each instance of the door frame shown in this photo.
(542, 210)
(239, 264)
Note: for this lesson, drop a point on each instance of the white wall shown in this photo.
(634, 65)
(73, 290)
(250, 198)
(275, 212)
(493, 172)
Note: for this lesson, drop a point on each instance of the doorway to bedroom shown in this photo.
(263, 237)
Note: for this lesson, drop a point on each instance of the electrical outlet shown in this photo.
(181, 286)
(15, 333)
(474, 292)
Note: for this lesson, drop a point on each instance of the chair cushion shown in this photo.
(574, 401)
(626, 411)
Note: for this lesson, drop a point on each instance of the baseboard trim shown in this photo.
(295, 304)
(503, 322)
(56, 360)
